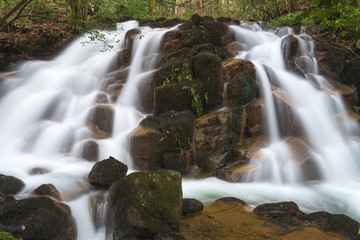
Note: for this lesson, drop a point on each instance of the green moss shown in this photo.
(8, 236)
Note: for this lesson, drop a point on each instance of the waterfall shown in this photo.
(46, 106)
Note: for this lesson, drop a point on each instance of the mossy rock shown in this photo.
(145, 203)
(37, 218)
(178, 55)
(173, 72)
(106, 172)
(10, 185)
(207, 69)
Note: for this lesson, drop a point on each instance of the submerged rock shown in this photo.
(191, 205)
(143, 204)
(37, 218)
(106, 172)
(10, 185)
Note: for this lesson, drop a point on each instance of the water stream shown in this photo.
(45, 106)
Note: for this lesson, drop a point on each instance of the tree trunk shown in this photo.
(21, 5)
(79, 9)
(151, 6)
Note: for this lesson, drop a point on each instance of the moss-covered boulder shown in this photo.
(37, 218)
(143, 204)
(173, 72)
(106, 172)
(10, 185)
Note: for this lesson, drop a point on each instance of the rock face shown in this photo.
(143, 204)
(10, 185)
(36, 218)
(106, 172)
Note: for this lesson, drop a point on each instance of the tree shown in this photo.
(18, 7)
(79, 9)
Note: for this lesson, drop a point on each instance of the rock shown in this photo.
(290, 47)
(351, 75)
(101, 98)
(145, 148)
(172, 46)
(143, 204)
(207, 68)
(106, 172)
(234, 47)
(98, 204)
(38, 170)
(216, 131)
(196, 19)
(170, 36)
(130, 37)
(90, 150)
(173, 72)
(240, 78)
(162, 141)
(100, 121)
(178, 55)
(336, 223)
(191, 205)
(37, 218)
(286, 215)
(231, 200)
(10, 185)
(48, 190)
(175, 161)
(169, 236)
(221, 220)
(348, 92)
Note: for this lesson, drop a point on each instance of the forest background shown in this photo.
(34, 28)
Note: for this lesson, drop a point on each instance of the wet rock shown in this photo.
(351, 75)
(172, 46)
(173, 72)
(207, 68)
(290, 46)
(336, 223)
(170, 36)
(100, 121)
(162, 141)
(240, 77)
(106, 172)
(191, 205)
(178, 55)
(37, 218)
(145, 148)
(234, 47)
(348, 92)
(130, 36)
(90, 150)
(231, 200)
(101, 98)
(48, 190)
(216, 131)
(10, 185)
(145, 203)
(38, 171)
(169, 236)
(175, 161)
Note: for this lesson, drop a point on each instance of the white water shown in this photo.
(334, 145)
(69, 84)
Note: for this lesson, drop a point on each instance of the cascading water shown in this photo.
(330, 139)
(45, 107)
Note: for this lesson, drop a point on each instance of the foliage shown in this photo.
(8, 236)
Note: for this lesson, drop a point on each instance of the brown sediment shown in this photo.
(232, 221)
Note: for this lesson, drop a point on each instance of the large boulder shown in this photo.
(214, 132)
(161, 142)
(351, 75)
(240, 81)
(143, 204)
(100, 121)
(106, 172)
(10, 185)
(37, 218)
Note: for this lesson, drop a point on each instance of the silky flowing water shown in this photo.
(45, 106)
